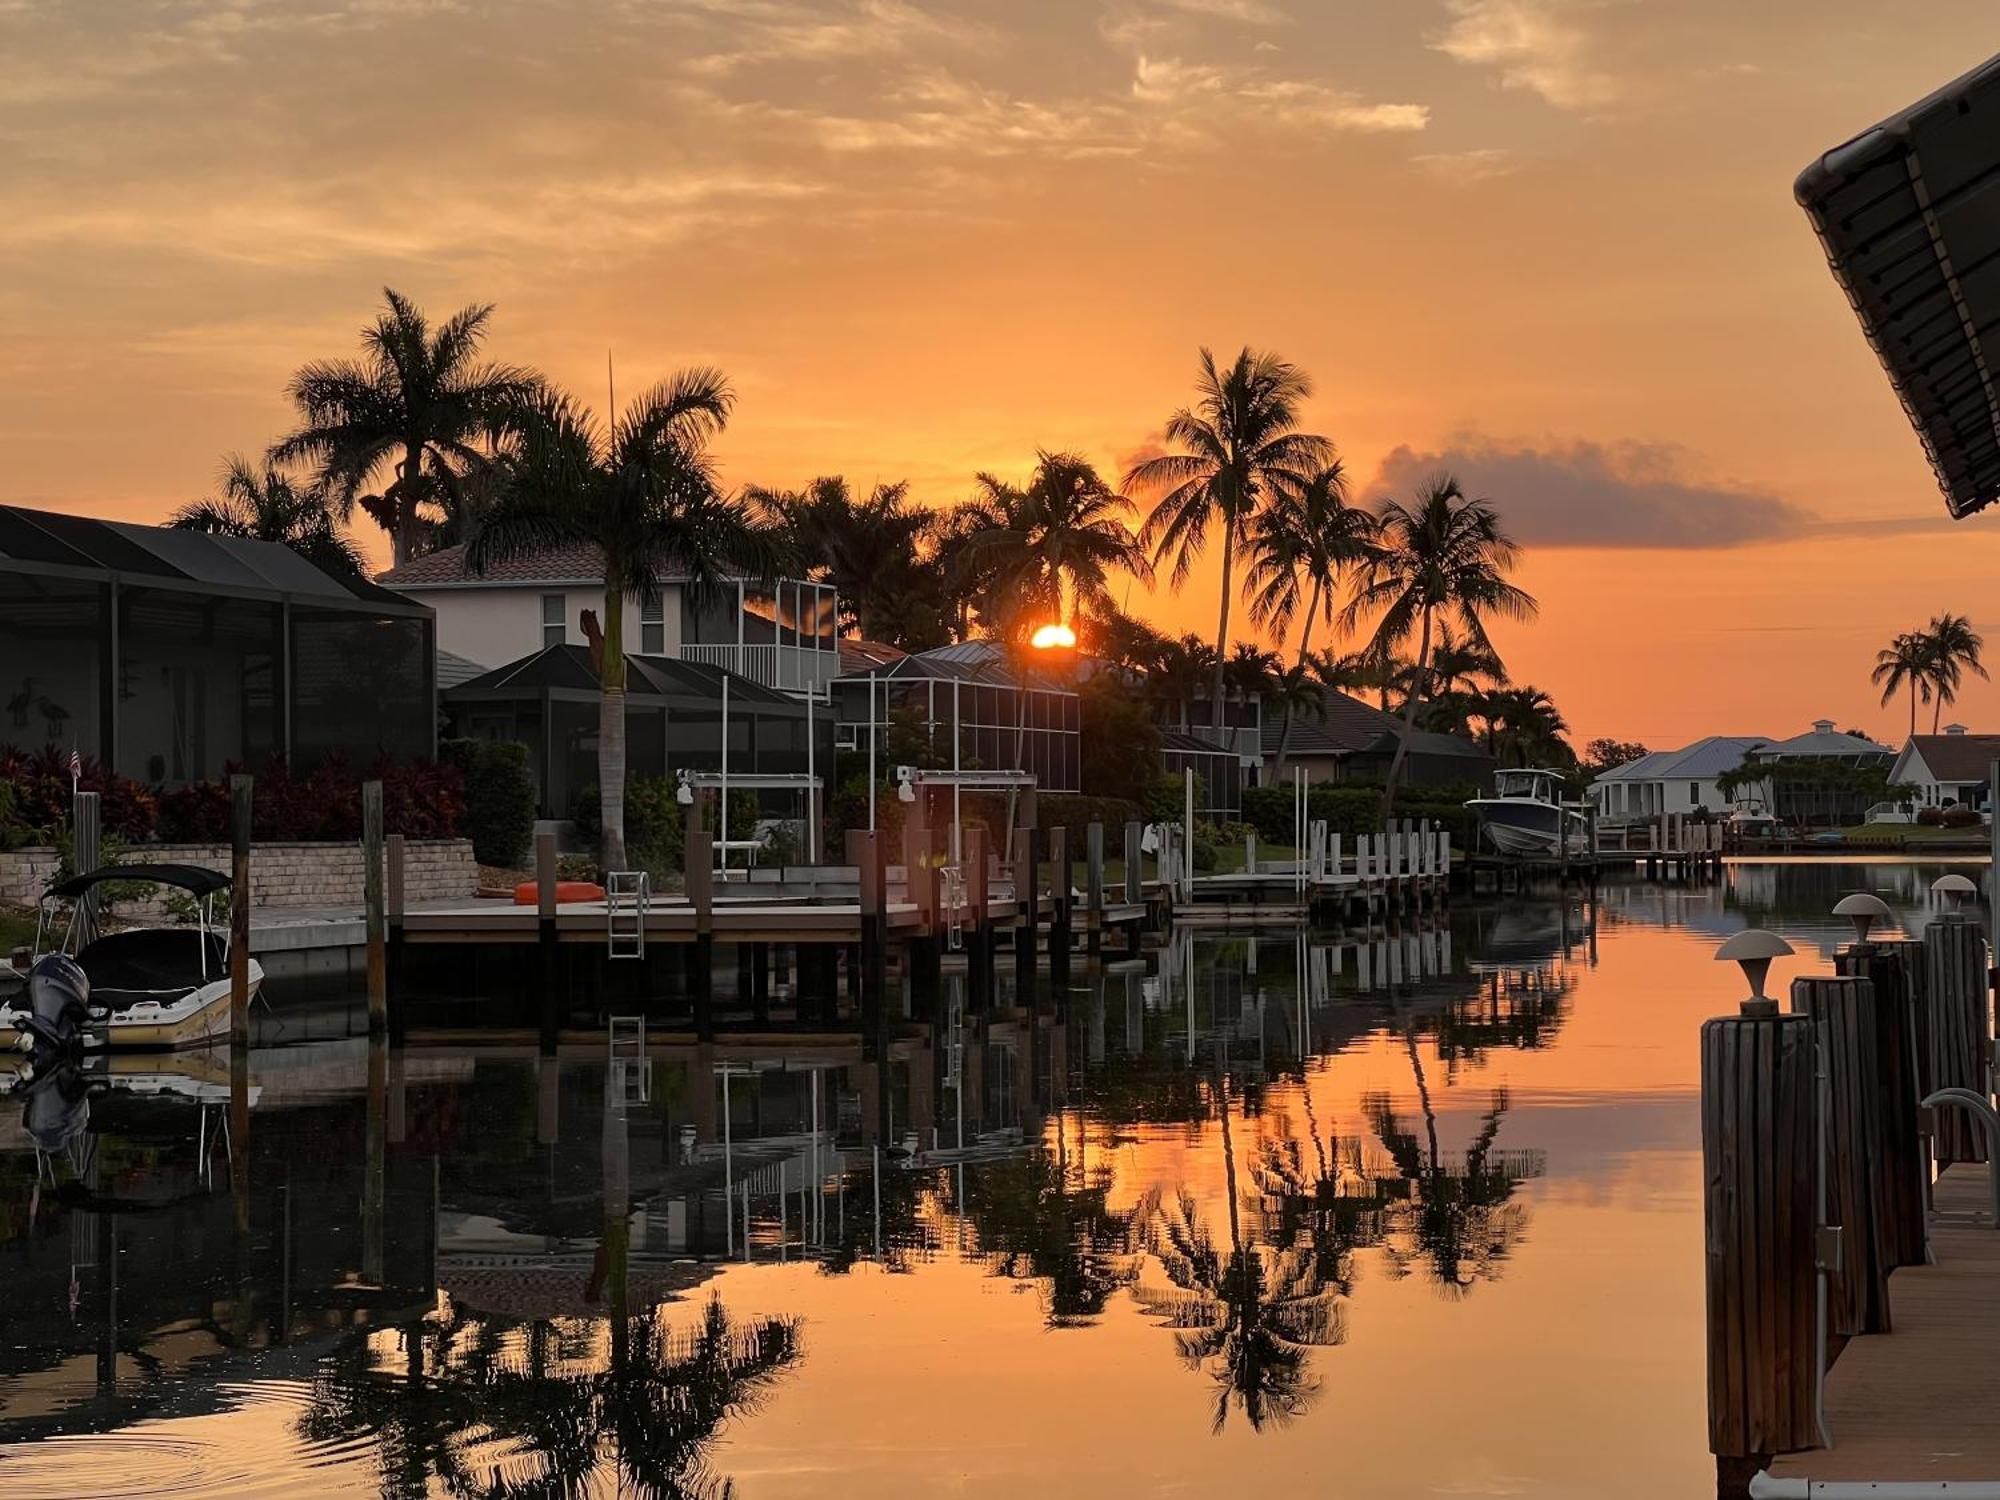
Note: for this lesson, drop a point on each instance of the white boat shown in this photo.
(157, 987)
(1527, 815)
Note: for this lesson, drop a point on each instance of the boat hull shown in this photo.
(198, 1019)
(1522, 827)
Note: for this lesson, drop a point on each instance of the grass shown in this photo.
(1894, 835)
(1228, 861)
(17, 929)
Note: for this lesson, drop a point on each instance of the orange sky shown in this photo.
(1552, 241)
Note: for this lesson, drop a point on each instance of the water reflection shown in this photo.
(460, 1268)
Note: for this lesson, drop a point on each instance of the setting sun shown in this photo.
(1052, 636)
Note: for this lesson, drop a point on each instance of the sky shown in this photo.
(1548, 244)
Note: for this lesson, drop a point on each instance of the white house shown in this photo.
(783, 634)
(1675, 781)
(1947, 769)
(1823, 743)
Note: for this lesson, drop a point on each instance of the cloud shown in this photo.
(1534, 44)
(1601, 495)
(1290, 102)
(1480, 165)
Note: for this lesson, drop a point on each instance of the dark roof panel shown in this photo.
(1909, 215)
(576, 562)
(568, 666)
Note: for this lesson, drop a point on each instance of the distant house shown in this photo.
(1824, 744)
(1949, 769)
(1822, 779)
(1349, 740)
(1675, 781)
(781, 634)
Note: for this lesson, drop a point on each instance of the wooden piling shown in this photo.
(396, 903)
(550, 1009)
(699, 881)
(1894, 971)
(1960, 1033)
(864, 852)
(1859, 1191)
(86, 823)
(1135, 854)
(1758, 1138)
(239, 911)
(372, 902)
(979, 926)
(1093, 890)
(1059, 912)
(1028, 897)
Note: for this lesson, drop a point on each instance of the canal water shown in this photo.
(1403, 1213)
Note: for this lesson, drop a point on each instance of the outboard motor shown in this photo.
(58, 1108)
(58, 1009)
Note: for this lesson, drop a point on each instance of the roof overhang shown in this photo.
(1909, 215)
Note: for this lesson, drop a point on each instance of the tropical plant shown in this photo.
(418, 405)
(1953, 647)
(1239, 444)
(1048, 550)
(877, 551)
(1602, 755)
(1527, 729)
(1440, 555)
(1904, 665)
(644, 493)
(267, 507)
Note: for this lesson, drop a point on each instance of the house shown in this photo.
(966, 696)
(1675, 781)
(1949, 769)
(677, 716)
(169, 655)
(781, 634)
(1824, 744)
(1348, 740)
(1821, 779)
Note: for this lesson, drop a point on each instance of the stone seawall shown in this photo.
(280, 874)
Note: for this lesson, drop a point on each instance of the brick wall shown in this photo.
(280, 874)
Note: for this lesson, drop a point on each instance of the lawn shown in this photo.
(1895, 835)
(17, 929)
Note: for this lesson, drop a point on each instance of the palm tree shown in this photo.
(418, 404)
(1240, 444)
(1905, 663)
(1439, 555)
(871, 550)
(1250, 671)
(267, 507)
(1050, 548)
(645, 494)
(1300, 545)
(1529, 729)
(1953, 647)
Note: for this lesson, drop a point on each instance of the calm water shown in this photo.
(1285, 1214)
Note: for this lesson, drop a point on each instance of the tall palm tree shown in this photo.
(644, 492)
(1300, 545)
(1052, 546)
(1904, 664)
(418, 404)
(1954, 648)
(1526, 728)
(268, 507)
(1240, 443)
(1440, 555)
(1250, 671)
(871, 549)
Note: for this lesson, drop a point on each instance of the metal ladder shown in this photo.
(951, 896)
(631, 1071)
(627, 894)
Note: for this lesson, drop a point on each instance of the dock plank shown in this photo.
(1917, 1405)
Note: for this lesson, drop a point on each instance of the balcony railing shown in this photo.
(787, 668)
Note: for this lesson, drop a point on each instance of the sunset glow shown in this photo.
(1053, 637)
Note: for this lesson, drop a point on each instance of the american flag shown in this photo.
(75, 765)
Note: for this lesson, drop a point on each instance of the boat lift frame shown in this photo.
(693, 782)
(910, 778)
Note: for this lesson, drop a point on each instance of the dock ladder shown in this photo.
(631, 1071)
(627, 896)
(952, 897)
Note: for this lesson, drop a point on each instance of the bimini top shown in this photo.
(1909, 215)
(191, 878)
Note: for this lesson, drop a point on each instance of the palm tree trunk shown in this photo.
(1913, 709)
(1222, 627)
(1409, 719)
(611, 728)
(403, 545)
(1305, 644)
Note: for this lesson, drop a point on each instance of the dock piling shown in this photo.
(372, 900)
(1960, 1033)
(239, 911)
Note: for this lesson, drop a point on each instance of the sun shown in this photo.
(1049, 637)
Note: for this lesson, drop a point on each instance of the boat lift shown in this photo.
(909, 778)
(723, 782)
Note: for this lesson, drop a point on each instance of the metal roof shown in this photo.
(1711, 756)
(50, 541)
(980, 661)
(453, 669)
(567, 667)
(1909, 215)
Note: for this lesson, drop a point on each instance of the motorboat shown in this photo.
(155, 987)
(1527, 815)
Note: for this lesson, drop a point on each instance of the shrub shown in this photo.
(1931, 817)
(1351, 811)
(499, 798)
(1960, 817)
(1067, 810)
(41, 793)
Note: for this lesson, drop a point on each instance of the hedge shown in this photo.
(499, 798)
(1352, 811)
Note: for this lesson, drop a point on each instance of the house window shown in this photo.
(653, 625)
(553, 630)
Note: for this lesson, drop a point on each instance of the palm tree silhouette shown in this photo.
(1240, 443)
(1905, 663)
(1249, 1315)
(268, 507)
(1048, 549)
(417, 403)
(644, 494)
(874, 551)
(1439, 555)
(1953, 647)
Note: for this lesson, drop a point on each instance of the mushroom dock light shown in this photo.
(1753, 948)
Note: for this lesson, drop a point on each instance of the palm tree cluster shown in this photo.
(1930, 664)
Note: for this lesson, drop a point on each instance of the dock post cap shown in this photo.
(1864, 909)
(1954, 889)
(1752, 949)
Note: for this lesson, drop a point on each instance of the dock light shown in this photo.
(1053, 637)
(1953, 889)
(684, 793)
(1864, 910)
(1753, 949)
(906, 785)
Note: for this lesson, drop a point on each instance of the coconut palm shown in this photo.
(1953, 648)
(267, 507)
(1240, 444)
(1250, 672)
(1904, 665)
(1525, 728)
(643, 492)
(1299, 546)
(1049, 549)
(1440, 556)
(872, 550)
(419, 405)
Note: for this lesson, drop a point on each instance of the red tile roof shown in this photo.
(572, 563)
